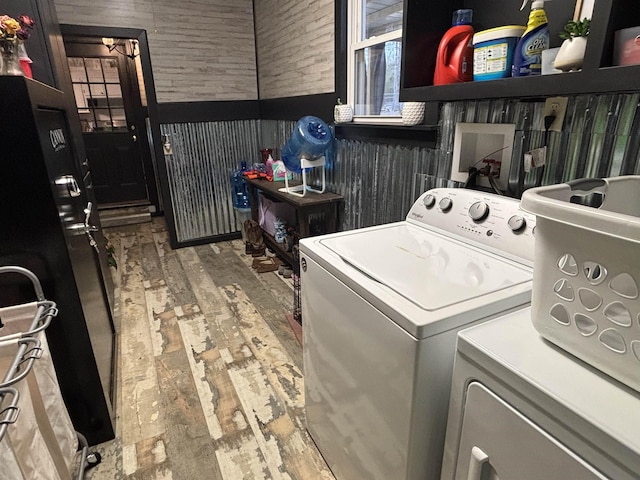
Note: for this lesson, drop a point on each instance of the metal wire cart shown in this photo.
(37, 438)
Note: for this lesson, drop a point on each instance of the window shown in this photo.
(96, 86)
(373, 59)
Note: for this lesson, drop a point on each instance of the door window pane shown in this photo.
(76, 67)
(381, 17)
(94, 70)
(110, 67)
(98, 90)
(115, 95)
(81, 100)
(98, 95)
(103, 119)
(377, 79)
(118, 118)
(87, 121)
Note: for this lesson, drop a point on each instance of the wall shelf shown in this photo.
(602, 80)
(417, 135)
(426, 22)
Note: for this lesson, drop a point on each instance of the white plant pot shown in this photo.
(571, 54)
(412, 113)
(343, 113)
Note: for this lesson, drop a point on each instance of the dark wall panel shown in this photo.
(38, 45)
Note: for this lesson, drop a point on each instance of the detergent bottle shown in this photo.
(454, 60)
(527, 59)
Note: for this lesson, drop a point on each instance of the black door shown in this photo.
(107, 95)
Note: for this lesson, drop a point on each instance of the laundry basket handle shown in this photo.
(586, 184)
(30, 275)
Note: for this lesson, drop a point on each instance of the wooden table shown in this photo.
(328, 204)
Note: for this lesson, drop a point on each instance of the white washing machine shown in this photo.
(523, 409)
(381, 307)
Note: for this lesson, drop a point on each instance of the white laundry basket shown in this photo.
(587, 271)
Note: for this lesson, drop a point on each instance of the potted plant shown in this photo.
(342, 113)
(571, 53)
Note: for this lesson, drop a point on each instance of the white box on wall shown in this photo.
(475, 142)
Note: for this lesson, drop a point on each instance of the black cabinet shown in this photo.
(45, 213)
(427, 21)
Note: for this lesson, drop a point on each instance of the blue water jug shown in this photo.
(311, 138)
(239, 188)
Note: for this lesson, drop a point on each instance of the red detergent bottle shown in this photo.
(454, 61)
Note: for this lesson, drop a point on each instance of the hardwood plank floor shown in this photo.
(209, 377)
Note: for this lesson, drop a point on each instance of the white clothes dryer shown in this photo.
(381, 307)
(523, 409)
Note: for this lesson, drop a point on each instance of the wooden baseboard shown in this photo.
(296, 327)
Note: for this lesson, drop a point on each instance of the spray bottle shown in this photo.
(454, 60)
(528, 55)
(269, 166)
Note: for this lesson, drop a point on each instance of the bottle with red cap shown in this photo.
(454, 61)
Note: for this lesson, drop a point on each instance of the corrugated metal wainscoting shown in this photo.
(599, 137)
(204, 156)
(379, 182)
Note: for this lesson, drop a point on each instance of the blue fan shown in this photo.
(311, 139)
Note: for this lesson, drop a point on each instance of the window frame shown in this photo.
(354, 44)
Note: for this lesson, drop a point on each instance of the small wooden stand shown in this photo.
(326, 203)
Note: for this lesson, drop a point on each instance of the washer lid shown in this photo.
(430, 270)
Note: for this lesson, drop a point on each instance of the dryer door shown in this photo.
(497, 442)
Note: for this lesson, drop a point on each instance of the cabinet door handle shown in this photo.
(476, 462)
(73, 189)
(88, 228)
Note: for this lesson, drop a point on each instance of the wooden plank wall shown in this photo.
(200, 49)
(295, 43)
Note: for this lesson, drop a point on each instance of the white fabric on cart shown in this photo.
(10, 469)
(29, 447)
(51, 414)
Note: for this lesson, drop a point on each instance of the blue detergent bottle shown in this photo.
(528, 55)
(239, 188)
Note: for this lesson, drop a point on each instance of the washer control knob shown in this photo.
(517, 223)
(429, 200)
(478, 211)
(445, 204)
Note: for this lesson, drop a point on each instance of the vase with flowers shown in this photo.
(13, 55)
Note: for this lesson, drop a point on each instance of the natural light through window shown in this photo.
(373, 63)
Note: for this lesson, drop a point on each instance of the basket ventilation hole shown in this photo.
(635, 348)
(564, 290)
(617, 313)
(586, 325)
(567, 264)
(590, 299)
(559, 314)
(594, 272)
(611, 339)
(625, 286)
